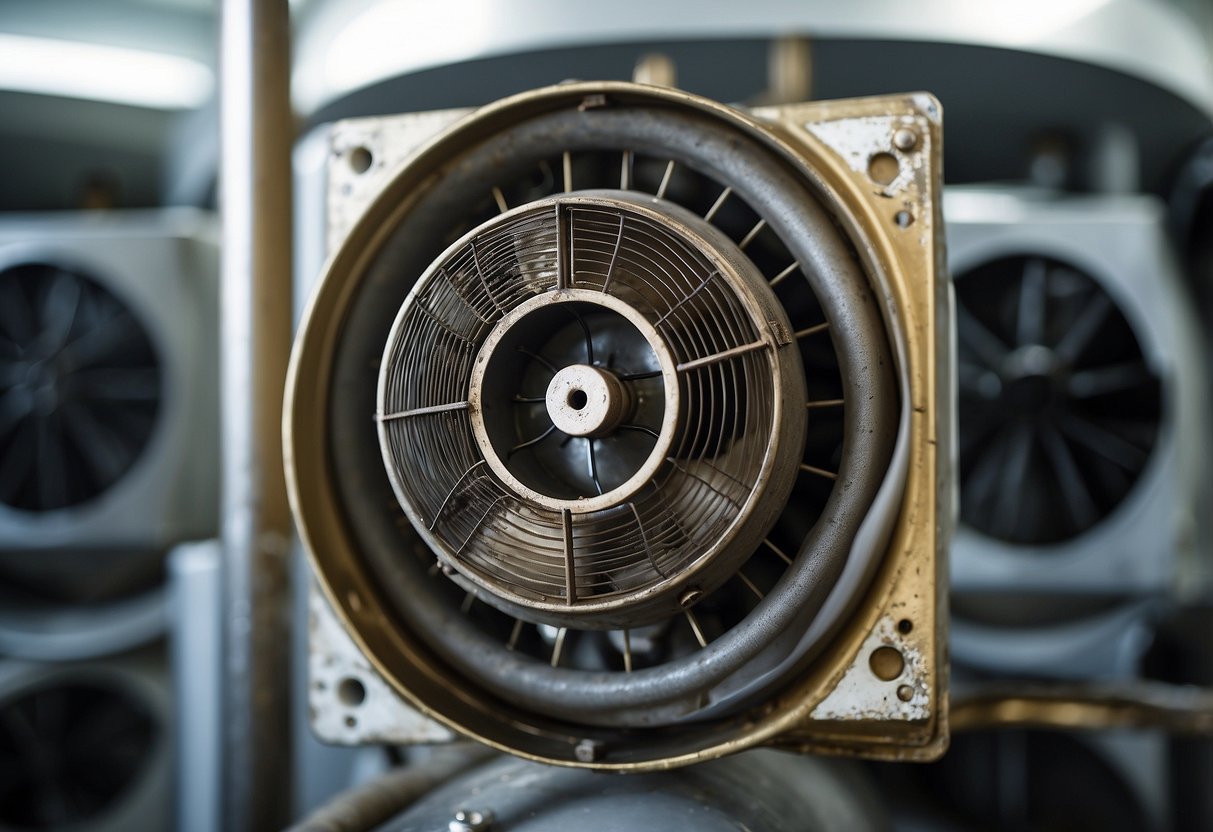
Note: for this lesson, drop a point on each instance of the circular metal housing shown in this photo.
(688, 656)
(590, 406)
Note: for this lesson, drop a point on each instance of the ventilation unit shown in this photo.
(611, 428)
(1082, 412)
(84, 747)
(108, 421)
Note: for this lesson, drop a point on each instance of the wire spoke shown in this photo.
(641, 429)
(592, 458)
(537, 357)
(585, 331)
(528, 443)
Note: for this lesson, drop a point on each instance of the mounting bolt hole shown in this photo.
(351, 692)
(360, 160)
(577, 399)
(904, 626)
(886, 663)
(883, 168)
(904, 219)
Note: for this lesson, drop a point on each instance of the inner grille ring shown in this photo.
(690, 440)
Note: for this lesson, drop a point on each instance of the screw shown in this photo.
(905, 139)
(467, 820)
(905, 693)
(588, 751)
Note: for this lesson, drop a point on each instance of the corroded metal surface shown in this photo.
(889, 574)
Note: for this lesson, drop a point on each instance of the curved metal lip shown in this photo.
(669, 422)
(350, 593)
(1107, 33)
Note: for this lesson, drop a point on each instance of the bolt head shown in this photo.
(470, 820)
(905, 139)
(588, 751)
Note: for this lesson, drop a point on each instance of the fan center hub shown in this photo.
(1031, 379)
(586, 401)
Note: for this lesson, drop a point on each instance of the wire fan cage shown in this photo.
(582, 407)
(1059, 408)
(80, 388)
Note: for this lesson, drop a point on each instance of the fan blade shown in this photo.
(985, 345)
(1080, 333)
(1030, 326)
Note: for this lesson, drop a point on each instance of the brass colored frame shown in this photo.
(841, 704)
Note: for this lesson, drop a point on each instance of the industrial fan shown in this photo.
(1059, 406)
(83, 747)
(108, 422)
(606, 432)
(79, 387)
(1082, 392)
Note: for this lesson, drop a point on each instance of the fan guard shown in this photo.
(583, 409)
(79, 388)
(1059, 407)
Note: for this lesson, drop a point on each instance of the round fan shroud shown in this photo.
(528, 687)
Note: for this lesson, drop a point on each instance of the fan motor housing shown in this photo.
(612, 429)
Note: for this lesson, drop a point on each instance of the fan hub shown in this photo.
(587, 401)
(1032, 379)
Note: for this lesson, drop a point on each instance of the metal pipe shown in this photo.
(372, 804)
(255, 143)
(1140, 705)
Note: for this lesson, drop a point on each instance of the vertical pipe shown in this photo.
(256, 130)
(195, 592)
